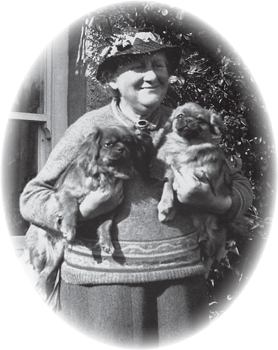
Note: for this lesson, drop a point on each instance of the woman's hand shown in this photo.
(196, 191)
(99, 202)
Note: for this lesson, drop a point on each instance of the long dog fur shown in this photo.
(192, 145)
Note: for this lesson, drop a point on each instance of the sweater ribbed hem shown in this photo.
(74, 276)
(133, 261)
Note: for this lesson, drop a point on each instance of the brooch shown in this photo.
(144, 125)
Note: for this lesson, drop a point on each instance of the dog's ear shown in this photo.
(169, 122)
(142, 153)
(216, 123)
(142, 142)
(172, 117)
(89, 150)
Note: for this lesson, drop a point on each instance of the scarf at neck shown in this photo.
(151, 123)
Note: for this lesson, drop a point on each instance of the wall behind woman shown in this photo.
(84, 94)
(77, 80)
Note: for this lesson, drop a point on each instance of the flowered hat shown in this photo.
(136, 44)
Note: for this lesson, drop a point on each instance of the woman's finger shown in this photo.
(119, 188)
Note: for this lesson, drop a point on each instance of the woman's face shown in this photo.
(142, 83)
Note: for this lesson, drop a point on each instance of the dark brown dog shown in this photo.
(193, 144)
(106, 156)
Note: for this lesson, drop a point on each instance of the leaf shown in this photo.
(258, 140)
(234, 250)
(164, 12)
(179, 15)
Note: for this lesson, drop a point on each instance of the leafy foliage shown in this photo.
(211, 74)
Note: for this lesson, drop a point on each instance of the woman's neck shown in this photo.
(134, 113)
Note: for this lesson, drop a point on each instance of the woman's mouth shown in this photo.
(150, 87)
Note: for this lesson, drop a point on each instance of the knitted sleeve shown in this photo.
(38, 204)
(242, 196)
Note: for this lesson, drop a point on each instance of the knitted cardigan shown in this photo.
(145, 249)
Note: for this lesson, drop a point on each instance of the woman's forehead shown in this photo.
(143, 58)
(152, 56)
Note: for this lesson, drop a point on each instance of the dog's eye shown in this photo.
(179, 116)
(108, 144)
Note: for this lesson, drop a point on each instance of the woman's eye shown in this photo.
(160, 65)
(137, 65)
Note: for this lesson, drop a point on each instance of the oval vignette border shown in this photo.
(28, 322)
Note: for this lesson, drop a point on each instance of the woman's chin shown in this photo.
(150, 99)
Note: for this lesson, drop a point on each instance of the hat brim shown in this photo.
(173, 55)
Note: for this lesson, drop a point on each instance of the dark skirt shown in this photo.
(151, 314)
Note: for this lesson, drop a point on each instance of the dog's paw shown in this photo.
(68, 232)
(106, 246)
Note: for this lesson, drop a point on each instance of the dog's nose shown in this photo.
(120, 148)
(184, 122)
(190, 121)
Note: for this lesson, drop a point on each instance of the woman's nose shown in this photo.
(149, 74)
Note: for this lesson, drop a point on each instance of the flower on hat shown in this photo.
(148, 36)
(135, 43)
(125, 41)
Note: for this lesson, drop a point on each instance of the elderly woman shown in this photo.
(152, 289)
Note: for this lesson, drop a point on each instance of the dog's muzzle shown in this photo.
(117, 154)
(187, 128)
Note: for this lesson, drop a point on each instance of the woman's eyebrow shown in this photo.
(158, 58)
